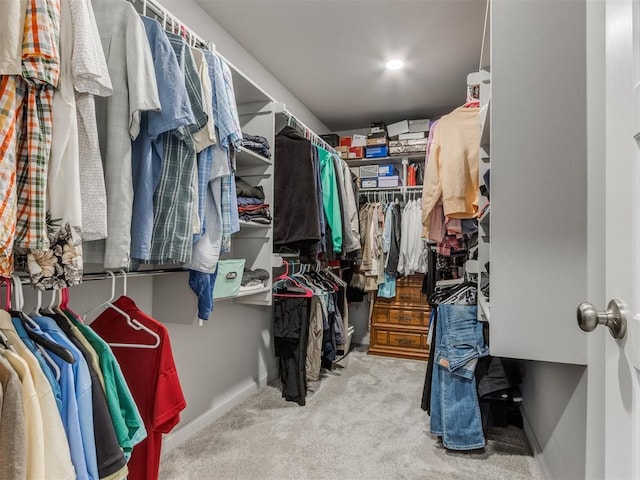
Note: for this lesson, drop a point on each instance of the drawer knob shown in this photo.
(404, 318)
(405, 296)
(405, 341)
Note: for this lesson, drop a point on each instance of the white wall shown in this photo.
(189, 12)
(555, 408)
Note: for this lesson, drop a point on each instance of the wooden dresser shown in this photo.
(399, 325)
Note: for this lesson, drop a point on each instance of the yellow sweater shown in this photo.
(452, 167)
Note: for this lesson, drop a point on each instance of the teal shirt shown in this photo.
(125, 416)
(330, 199)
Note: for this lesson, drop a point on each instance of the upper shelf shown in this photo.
(395, 159)
(249, 158)
(245, 90)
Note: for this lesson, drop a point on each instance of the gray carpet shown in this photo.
(362, 421)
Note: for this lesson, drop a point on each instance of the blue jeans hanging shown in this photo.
(455, 413)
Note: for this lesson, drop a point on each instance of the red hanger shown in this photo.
(7, 298)
(285, 277)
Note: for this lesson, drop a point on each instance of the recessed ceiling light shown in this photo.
(394, 64)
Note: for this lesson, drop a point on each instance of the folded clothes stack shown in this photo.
(256, 143)
(251, 206)
(254, 279)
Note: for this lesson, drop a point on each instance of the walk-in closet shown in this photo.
(272, 239)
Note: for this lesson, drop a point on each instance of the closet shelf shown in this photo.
(249, 158)
(485, 219)
(249, 293)
(395, 159)
(254, 225)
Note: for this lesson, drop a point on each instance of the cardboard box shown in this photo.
(387, 171)
(359, 140)
(386, 182)
(344, 155)
(419, 125)
(404, 143)
(369, 182)
(372, 142)
(356, 152)
(379, 151)
(332, 139)
(407, 149)
(398, 128)
(411, 136)
(340, 149)
(368, 171)
(345, 141)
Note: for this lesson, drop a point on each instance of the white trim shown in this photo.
(538, 455)
(182, 434)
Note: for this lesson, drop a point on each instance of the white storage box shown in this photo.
(387, 182)
(368, 171)
(420, 125)
(369, 182)
(397, 128)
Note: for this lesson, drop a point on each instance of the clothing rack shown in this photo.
(309, 134)
(88, 277)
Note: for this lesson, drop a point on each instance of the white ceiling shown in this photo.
(331, 53)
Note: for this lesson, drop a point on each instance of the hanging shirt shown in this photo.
(452, 170)
(148, 148)
(61, 264)
(13, 435)
(78, 383)
(32, 415)
(330, 200)
(90, 77)
(44, 366)
(40, 71)
(135, 90)
(173, 201)
(11, 30)
(152, 376)
(124, 413)
(57, 457)
(10, 118)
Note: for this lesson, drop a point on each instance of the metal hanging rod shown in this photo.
(89, 277)
(308, 133)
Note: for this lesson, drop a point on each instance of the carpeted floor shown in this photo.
(362, 421)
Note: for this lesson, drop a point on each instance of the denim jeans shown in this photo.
(455, 413)
(202, 285)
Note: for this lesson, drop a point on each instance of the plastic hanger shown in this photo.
(130, 321)
(307, 292)
(43, 345)
(7, 298)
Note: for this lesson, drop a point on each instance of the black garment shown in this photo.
(329, 347)
(245, 189)
(394, 247)
(426, 389)
(108, 453)
(290, 335)
(250, 275)
(295, 197)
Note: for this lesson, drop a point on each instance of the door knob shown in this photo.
(615, 317)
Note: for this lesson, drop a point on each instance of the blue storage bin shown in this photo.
(379, 151)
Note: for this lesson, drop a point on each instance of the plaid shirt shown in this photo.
(40, 70)
(10, 116)
(174, 199)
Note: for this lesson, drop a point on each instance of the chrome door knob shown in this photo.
(615, 317)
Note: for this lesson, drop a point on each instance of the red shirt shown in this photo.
(152, 377)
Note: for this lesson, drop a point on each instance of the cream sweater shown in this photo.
(452, 167)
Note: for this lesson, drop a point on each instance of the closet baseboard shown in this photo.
(538, 455)
(182, 434)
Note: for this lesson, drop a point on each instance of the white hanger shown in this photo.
(130, 321)
(19, 305)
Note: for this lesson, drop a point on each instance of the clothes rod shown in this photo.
(89, 277)
(279, 107)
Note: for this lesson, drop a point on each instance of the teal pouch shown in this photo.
(229, 278)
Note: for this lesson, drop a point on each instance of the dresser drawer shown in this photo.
(408, 295)
(406, 317)
(398, 339)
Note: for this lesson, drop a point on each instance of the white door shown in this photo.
(616, 389)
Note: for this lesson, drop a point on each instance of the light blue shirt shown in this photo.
(225, 110)
(44, 366)
(75, 384)
(148, 148)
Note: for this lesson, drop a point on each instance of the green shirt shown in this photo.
(330, 199)
(124, 412)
